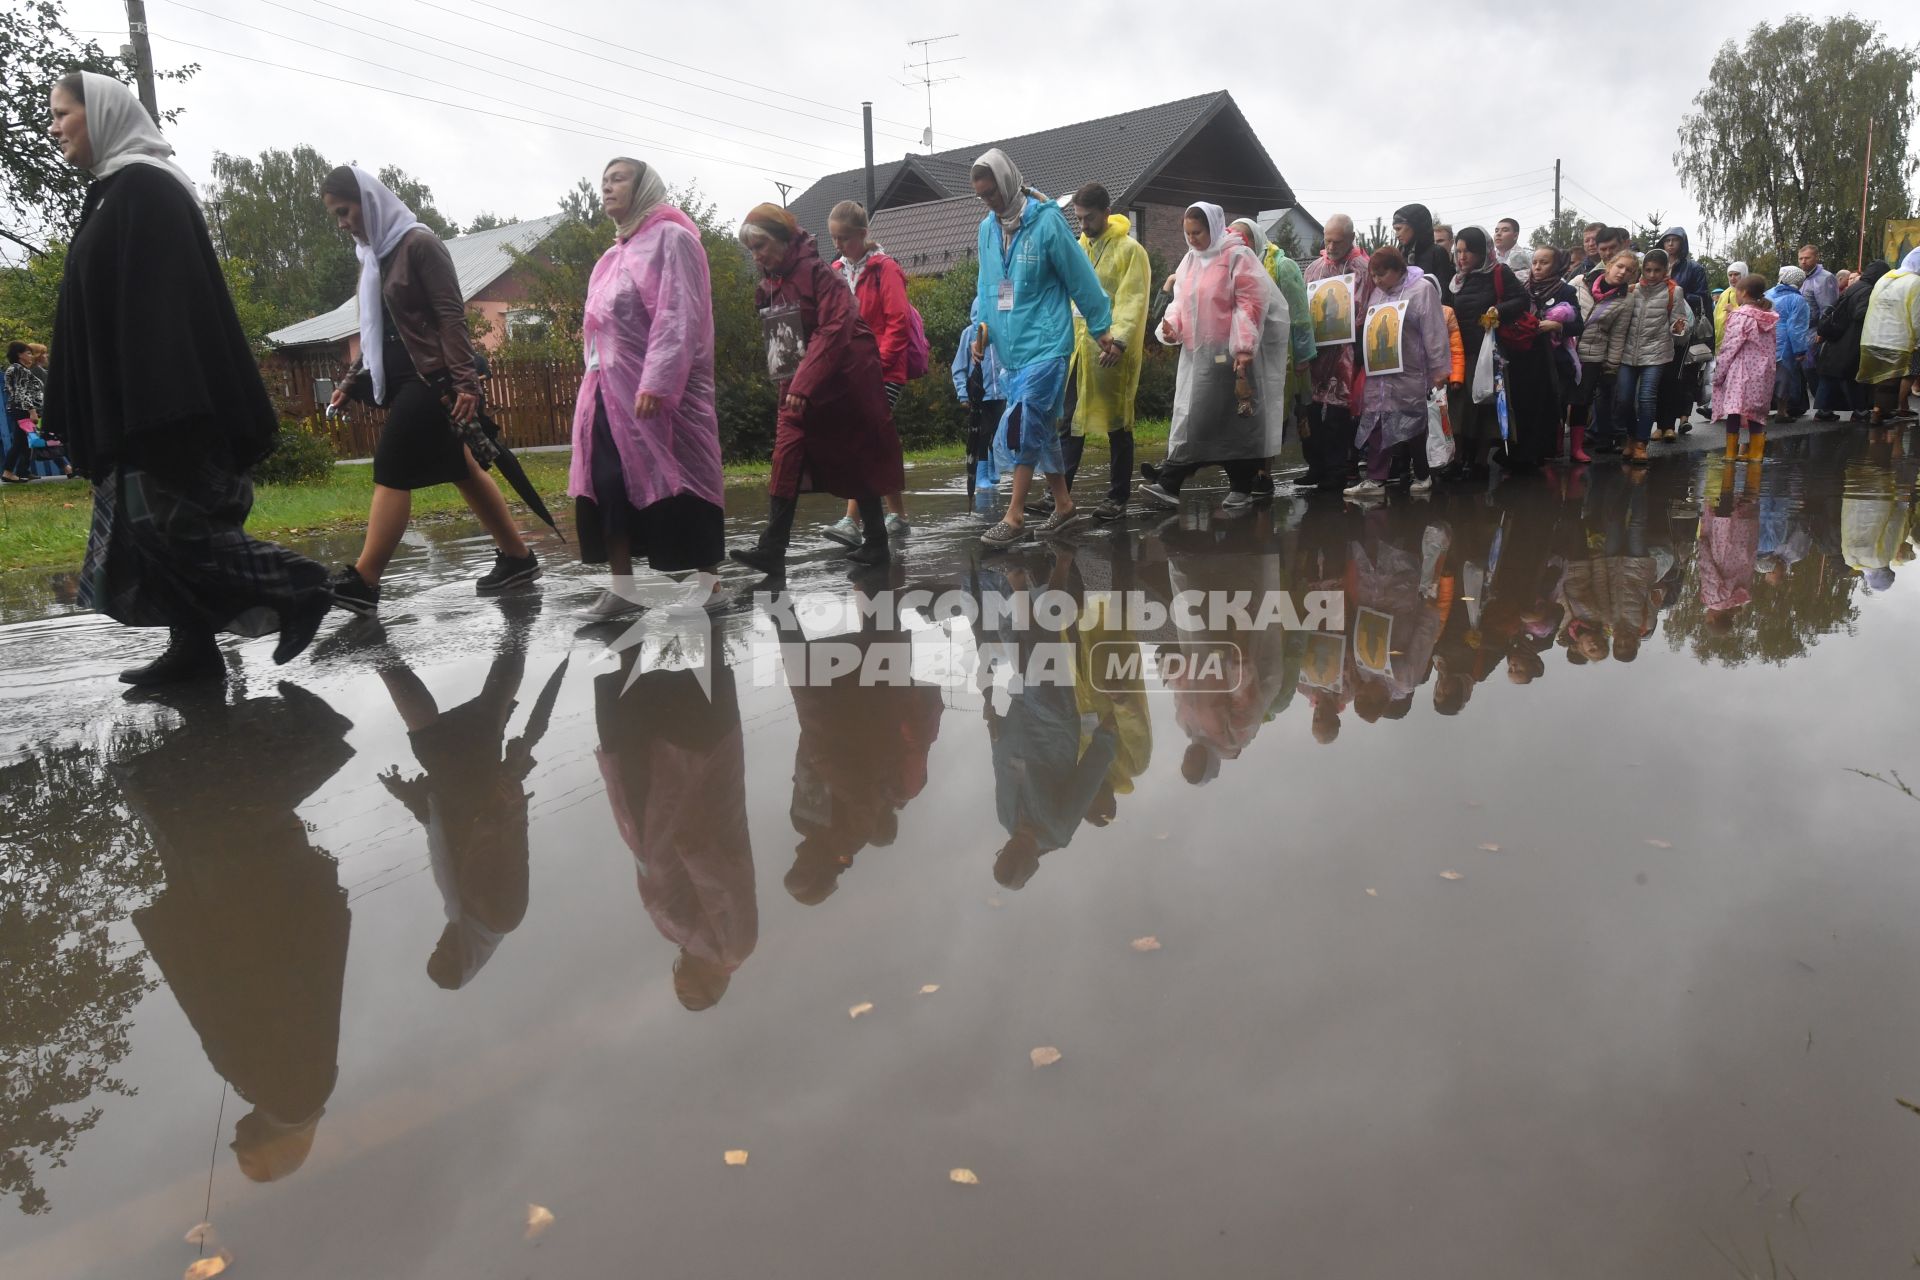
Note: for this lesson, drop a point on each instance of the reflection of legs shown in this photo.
(411, 697)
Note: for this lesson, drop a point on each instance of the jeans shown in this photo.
(1831, 394)
(1636, 397)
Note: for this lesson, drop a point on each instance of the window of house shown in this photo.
(524, 325)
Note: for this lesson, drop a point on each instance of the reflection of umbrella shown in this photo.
(482, 436)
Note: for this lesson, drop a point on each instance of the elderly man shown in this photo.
(1328, 438)
(1032, 274)
(1821, 291)
(1443, 236)
(1508, 249)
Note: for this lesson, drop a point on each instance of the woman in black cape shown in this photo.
(158, 398)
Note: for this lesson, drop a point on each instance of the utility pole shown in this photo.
(1556, 197)
(1866, 184)
(926, 77)
(142, 56)
(866, 122)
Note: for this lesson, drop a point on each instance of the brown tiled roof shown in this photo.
(928, 239)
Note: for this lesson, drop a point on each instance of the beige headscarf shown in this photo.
(649, 189)
(1006, 176)
(122, 133)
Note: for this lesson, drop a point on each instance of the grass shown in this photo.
(44, 525)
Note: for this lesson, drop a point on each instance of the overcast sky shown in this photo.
(1347, 136)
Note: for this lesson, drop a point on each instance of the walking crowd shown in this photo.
(1440, 357)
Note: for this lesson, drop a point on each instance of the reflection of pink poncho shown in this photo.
(1728, 546)
(649, 327)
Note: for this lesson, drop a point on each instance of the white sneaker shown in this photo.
(1421, 486)
(1159, 497)
(844, 531)
(607, 606)
(897, 526)
(1366, 489)
(1237, 501)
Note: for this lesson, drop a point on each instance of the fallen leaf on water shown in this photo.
(539, 1218)
(1373, 893)
(736, 1157)
(1908, 1105)
(1660, 844)
(200, 1233)
(929, 989)
(1490, 847)
(1148, 943)
(212, 1266)
(995, 903)
(1451, 875)
(1045, 1056)
(965, 1177)
(865, 1006)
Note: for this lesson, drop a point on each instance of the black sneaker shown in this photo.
(508, 572)
(1109, 510)
(351, 592)
(298, 626)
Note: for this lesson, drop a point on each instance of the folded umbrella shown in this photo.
(482, 437)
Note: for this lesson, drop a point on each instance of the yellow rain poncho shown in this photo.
(1107, 395)
(1892, 327)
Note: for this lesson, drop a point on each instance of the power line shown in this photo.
(587, 53)
(552, 75)
(1603, 204)
(685, 66)
(1441, 186)
(498, 115)
(277, 35)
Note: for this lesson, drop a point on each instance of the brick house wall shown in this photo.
(1158, 226)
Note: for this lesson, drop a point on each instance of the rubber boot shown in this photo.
(1733, 443)
(1756, 445)
(769, 555)
(189, 655)
(1577, 444)
(873, 550)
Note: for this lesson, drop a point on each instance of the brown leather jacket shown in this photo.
(421, 293)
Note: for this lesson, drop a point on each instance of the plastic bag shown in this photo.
(1483, 372)
(1440, 447)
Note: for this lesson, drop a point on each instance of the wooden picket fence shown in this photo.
(532, 400)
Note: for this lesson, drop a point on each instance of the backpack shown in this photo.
(916, 344)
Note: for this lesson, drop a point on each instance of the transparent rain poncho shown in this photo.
(1225, 305)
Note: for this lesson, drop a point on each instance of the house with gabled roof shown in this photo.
(1154, 162)
(491, 283)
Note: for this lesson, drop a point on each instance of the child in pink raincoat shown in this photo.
(1743, 371)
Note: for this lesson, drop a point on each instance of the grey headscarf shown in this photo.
(1006, 176)
(1792, 277)
(649, 189)
(123, 133)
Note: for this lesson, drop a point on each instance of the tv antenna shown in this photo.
(784, 188)
(926, 79)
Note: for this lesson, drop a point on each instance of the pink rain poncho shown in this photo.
(1225, 305)
(649, 328)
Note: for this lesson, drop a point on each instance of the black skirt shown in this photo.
(417, 448)
(675, 534)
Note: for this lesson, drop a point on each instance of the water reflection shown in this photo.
(250, 928)
(674, 763)
(471, 796)
(861, 758)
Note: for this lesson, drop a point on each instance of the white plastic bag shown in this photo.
(1439, 431)
(1483, 387)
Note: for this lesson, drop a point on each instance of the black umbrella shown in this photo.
(482, 437)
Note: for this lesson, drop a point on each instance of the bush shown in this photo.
(302, 454)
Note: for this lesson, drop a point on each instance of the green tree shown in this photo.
(488, 221)
(266, 212)
(41, 192)
(417, 196)
(1563, 233)
(28, 294)
(1777, 140)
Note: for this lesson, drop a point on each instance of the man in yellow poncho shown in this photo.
(1108, 383)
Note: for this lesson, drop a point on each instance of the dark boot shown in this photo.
(769, 555)
(298, 625)
(190, 655)
(873, 550)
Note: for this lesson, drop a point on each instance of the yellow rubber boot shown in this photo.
(1733, 443)
(1756, 445)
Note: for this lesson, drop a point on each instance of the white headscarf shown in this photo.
(122, 133)
(1006, 176)
(387, 220)
(1216, 229)
(1911, 262)
(1792, 277)
(1256, 236)
(649, 189)
(1736, 268)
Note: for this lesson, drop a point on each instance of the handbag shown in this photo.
(1517, 334)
